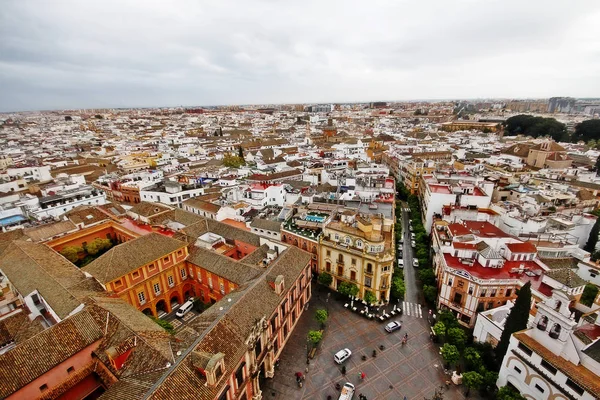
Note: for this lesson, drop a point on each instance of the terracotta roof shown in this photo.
(194, 231)
(524, 247)
(178, 215)
(268, 224)
(32, 358)
(86, 215)
(203, 205)
(567, 277)
(128, 256)
(560, 263)
(226, 267)
(18, 327)
(553, 146)
(48, 231)
(33, 266)
(584, 377)
(146, 209)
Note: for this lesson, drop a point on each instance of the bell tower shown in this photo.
(554, 323)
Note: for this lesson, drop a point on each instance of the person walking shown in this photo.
(362, 376)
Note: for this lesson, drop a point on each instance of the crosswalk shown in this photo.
(412, 309)
(407, 209)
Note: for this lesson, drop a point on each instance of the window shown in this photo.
(70, 370)
(549, 367)
(340, 271)
(449, 281)
(151, 267)
(369, 268)
(239, 374)
(508, 292)
(222, 285)
(157, 289)
(470, 289)
(352, 275)
(166, 259)
(493, 293)
(483, 292)
(183, 273)
(353, 262)
(135, 274)
(171, 280)
(43, 388)
(180, 252)
(538, 387)
(199, 277)
(328, 266)
(142, 297)
(367, 281)
(328, 253)
(118, 282)
(517, 369)
(574, 387)
(525, 349)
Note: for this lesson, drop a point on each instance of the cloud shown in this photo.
(73, 54)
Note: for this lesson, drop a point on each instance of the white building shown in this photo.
(170, 193)
(555, 358)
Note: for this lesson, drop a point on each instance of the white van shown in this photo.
(347, 392)
(185, 308)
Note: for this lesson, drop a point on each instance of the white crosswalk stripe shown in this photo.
(412, 309)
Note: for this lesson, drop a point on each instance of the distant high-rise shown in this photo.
(561, 104)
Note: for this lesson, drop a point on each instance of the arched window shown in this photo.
(304, 246)
(555, 332)
(369, 268)
(543, 323)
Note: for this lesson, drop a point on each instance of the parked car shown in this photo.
(416, 263)
(413, 244)
(185, 308)
(342, 356)
(393, 326)
(400, 263)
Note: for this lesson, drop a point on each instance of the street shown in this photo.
(410, 280)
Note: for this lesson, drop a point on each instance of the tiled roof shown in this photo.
(32, 358)
(46, 232)
(221, 265)
(560, 263)
(18, 327)
(198, 229)
(268, 224)
(86, 215)
(202, 205)
(128, 256)
(34, 266)
(178, 215)
(146, 209)
(578, 373)
(567, 277)
(524, 247)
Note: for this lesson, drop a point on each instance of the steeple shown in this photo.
(554, 322)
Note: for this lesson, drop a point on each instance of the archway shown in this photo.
(175, 300)
(188, 292)
(161, 307)
(148, 312)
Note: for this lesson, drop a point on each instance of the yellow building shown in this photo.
(359, 249)
(422, 164)
(470, 125)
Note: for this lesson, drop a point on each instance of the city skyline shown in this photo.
(129, 54)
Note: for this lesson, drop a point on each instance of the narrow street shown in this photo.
(410, 279)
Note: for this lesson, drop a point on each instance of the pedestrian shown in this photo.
(362, 376)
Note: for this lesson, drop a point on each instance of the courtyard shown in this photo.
(413, 370)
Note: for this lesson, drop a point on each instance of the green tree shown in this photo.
(590, 245)
(398, 287)
(457, 337)
(321, 316)
(448, 319)
(592, 144)
(231, 161)
(325, 279)
(98, 245)
(489, 380)
(71, 253)
(472, 380)
(508, 393)
(536, 127)
(430, 293)
(589, 294)
(439, 329)
(166, 325)
(587, 130)
(427, 276)
(314, 337)
(347, 289)
(472, 359)
(516, 320)
(369, 297)
(450, 354)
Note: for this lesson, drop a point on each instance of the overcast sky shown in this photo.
(125, 53)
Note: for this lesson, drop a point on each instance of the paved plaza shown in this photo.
(413, 370)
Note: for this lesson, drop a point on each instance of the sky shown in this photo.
(144, 53)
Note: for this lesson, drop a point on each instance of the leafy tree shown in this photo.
(508, 393)
(71, 253)
(536, 127)
(430, 293)
(241, 152)
(427, 276)
(457, 337)
(348, 289)
(489, 379)
(592, 144)
(450, 353)
(369, 297)
(471, 380)
(321, 316)
(98, 245)
(325, 279)
(472, 359)
(590, 246)
(587, 130)
(448, 319)
(589, 294)
(488, 355)
(166, 325)
(516, 320)
(398, 287)
(314, 337)
(229, 160)
(439, 329)
(422, 253)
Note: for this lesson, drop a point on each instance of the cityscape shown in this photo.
(181, 219)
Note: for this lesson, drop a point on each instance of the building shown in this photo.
(470, 125)
(548, 154)
(555, 358)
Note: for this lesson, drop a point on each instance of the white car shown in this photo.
(416, 263)
(400, 263)
(413, 244)
(342, 356)
(393, 326)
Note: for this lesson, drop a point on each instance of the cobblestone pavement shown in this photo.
(413, 370)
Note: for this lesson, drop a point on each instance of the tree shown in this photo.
(398, 288)
(314, 337)
(439, 329)
(98, 245)
(536, 127)
(71, 253)
(516, 320)
(508, 393)
(472, 359)
(592, 144)
(231, 161)
(325, 279)
(430, 293)
(427, 276)
(166, 325)
(457, 337)
(450, 353)
(241, 152)
(369, 297)
(347, 289)
(471, 380)
(489, 380)
(587, 130)
(590, 245)
(589, 294)
(321, 316)
(448, 319)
